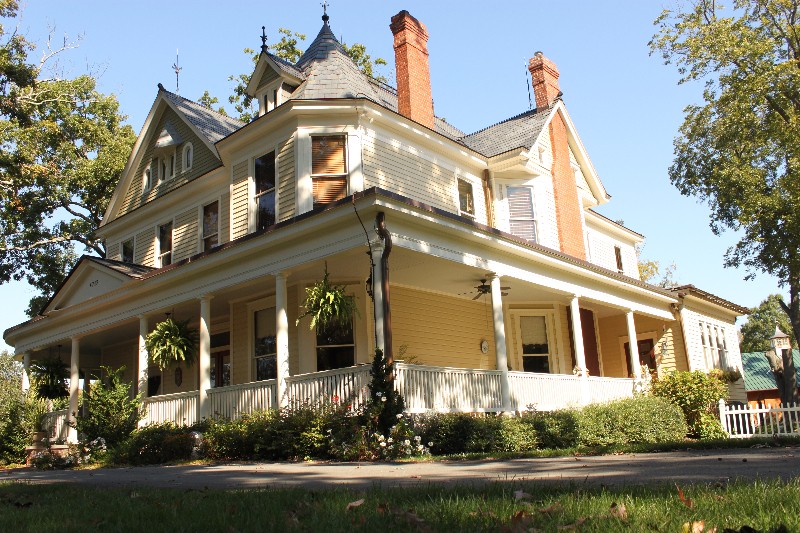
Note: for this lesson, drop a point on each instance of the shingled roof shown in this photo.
(129, 269)
(757, 373)
(520, 131)
(214, 126)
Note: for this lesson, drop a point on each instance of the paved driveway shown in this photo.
(671, 467)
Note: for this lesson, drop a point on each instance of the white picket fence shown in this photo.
(179, 408)
(743, 421)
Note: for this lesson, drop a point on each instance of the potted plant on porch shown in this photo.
(328, 305)
(172, 342)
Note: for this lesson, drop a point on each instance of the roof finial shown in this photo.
(264, 39)
(177, 69)
(325, 17)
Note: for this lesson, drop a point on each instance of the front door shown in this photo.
(221, 368)
(647, 355)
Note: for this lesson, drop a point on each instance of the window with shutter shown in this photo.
(328, 168)
(521, 215)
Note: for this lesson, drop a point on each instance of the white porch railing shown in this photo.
(179, 408)
(741, 422)
(55, 424)
(236, 400)
(446, 389)
(348, 384)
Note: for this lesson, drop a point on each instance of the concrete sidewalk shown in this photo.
(671, 467)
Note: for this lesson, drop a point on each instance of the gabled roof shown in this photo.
(520, 131)
(758, 374)
(212, 125)
(683, 290)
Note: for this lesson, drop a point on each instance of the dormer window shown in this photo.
(188, 157)
(328, 168)
(466, 201)
(270, 98)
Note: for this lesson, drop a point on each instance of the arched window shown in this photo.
(188, 157)
(148, 180)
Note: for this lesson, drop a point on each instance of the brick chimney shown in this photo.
(544, 75)
(414, 99)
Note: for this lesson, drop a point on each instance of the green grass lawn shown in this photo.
(764, 506)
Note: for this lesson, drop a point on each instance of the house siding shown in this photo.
(691, 324)
(203, 161)
(400, 167)
(113, 251)
(240, 200)
(614, 328)
(225, 218)
(441, 330)
(268, 77)
(185, 237)
(601, 252)
(240, 344)
(287, 180)
(145, 247)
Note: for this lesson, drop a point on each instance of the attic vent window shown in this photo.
(466, 201)
(188, 157)
(328, 168)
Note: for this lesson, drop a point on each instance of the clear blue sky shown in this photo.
(626, 105)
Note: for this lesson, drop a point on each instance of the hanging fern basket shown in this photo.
(329, 306)
(172, 342)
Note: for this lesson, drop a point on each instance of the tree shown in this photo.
(650, 271)
(63, 146)
(760, 325)
(739, 151)
(287, 48)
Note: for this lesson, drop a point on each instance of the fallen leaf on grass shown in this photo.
(521, 495)
(698, 526)
(578, 523)
(686, 501)
(353, 505)
(550, 509)
(619, 511)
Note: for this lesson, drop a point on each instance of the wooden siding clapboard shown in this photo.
(145, 247)
(240, 200)
(393, 166)
(225, 218)
(268, 77)
(601, 252)
(184, 237)
(442, 330)
(287, 182)
(203, 161)
(112, 252)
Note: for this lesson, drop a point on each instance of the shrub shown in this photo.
(694, 392)
(157, 443)
(110, 410)
(228, 439)
(711, 428)
(554, 429)
(640, 420)
(463, 433)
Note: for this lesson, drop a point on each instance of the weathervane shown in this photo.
(264, 39)
(177, 70)
(325, 16)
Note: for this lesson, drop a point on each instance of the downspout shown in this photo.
(383, 233)
(488, 194)
(678, 309)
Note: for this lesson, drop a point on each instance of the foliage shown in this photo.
(455, 433)
(328, 305)
(385, 403)
(640, 420)
(710, 428)
(287, 48)
(49, 378)
(760, 325)
(726, 376)
(650, 271)
(157, 443)
(694, 392)
(172, 342)
(554, 429)
(63, 146)
(738, 151)
(20, 414)
(111, 411)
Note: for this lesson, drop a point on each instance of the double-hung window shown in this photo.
(265, 191)
(165, 244)
(266, 347)
(466, 200)
(521, 214)
(210, 225)
(335, 347)
(328, 168)
(535, 344)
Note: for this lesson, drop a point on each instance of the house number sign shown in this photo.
(94, 283)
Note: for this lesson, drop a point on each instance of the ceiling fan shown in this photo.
(485, 288)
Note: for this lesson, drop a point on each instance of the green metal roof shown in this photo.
(757, 373)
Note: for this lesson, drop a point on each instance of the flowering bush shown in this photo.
(401, 442)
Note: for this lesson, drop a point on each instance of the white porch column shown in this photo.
(281, 338)
(74, 377)
(26, 369)
(577, 334)
(205, 357)
(142, 373)
(633, 352)
(500, 340)
(377, 296)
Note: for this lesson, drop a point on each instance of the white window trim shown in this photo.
(147, 178)
(131, 238)
(304, 197)
(471, 183)
(157, 248)
(536, 222)
(266, 97)
(200, 236)
(554, 356)
(252, 308)
(252, 213)
(184, 167)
